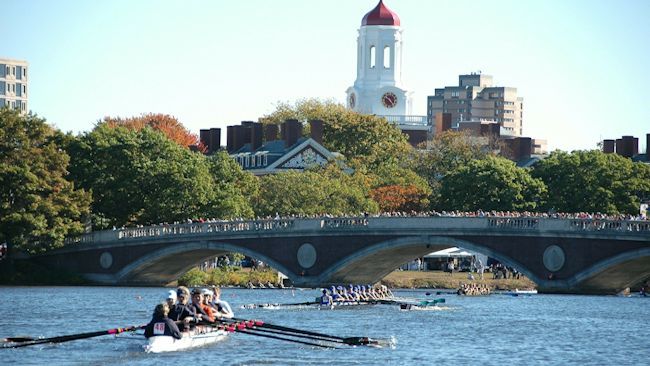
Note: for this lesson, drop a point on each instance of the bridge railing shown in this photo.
(344, 222)
(513, 223)
(205, 228)
(608, 225)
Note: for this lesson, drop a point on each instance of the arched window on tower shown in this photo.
(386, 57)
(373, 57)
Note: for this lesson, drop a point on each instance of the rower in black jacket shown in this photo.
(182, 311)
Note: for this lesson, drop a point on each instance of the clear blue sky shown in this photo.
(582, 66)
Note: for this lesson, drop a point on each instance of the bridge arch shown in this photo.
(616, 273)
(409, 247)
(184, 257)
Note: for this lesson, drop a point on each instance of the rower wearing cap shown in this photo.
(197, 305)
(207, 307)
(171, 298)
(336, 296)
(181, 310)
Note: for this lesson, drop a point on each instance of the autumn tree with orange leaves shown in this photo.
(404, 198)
(168, 125)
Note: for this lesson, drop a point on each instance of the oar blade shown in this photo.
(370, 342)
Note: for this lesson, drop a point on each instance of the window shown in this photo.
(24, 89)
(461, 111)
(372, 57)
(386, 57)
(13, 88)
(8, 71)
(455, 94)
(13, 70)
(24, 72)
(23, 106)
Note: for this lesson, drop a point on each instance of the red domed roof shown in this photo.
(380, 15)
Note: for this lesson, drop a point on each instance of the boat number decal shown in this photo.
(159, 328)
(306, 255)
(553, 258)
(106, 260)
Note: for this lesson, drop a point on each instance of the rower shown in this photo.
(181, 310)
(197, 305)
(171, 298)
(336, 297)
(222, 306)
(206, 304)
(161, 325)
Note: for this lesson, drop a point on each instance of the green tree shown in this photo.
(235, 189)
(492, 183)
(593, 181)
(445, 153)
(142, 177)
(312, 193)
(39, 207)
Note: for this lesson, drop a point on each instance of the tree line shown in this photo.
(140, 171)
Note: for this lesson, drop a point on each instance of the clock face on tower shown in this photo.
(352, 100)
(389, 100)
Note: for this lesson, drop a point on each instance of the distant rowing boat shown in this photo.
(198, 337)
(517, 292)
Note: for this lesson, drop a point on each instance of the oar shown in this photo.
(245, 327)
(71, 337)
(352, 341)
(253, 306)
(251, 325)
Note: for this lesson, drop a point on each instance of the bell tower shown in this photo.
(378, 88)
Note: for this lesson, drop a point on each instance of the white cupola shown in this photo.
(378, 88)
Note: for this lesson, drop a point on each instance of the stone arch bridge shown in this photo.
(559, 255)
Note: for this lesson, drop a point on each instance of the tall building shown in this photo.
(476, 99)
(378, 88)
(13, 84)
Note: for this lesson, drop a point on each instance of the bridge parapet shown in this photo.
(207, 227)
(608, 225)
(532, 224)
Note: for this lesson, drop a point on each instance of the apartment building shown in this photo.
(14, 84)
(476, 99)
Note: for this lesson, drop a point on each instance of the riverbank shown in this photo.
(442, 280)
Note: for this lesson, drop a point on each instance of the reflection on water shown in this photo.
(498, 329)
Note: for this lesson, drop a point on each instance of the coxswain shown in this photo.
(161, 325)
(325, 298)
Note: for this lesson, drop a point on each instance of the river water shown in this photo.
(491, 330)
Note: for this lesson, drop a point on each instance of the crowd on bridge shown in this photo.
(431, 213)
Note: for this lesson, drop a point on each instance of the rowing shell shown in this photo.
(198, 337)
